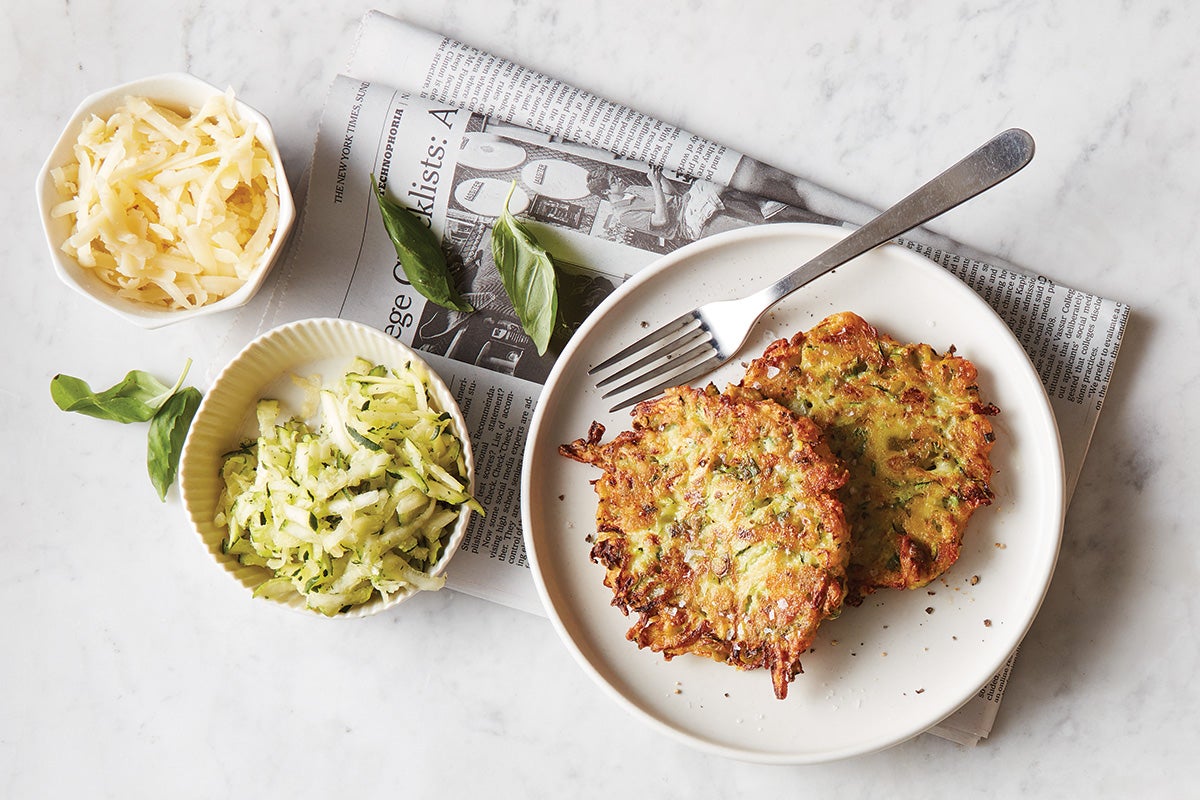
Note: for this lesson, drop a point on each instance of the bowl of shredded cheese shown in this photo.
(165, 199)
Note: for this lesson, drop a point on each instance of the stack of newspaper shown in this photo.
(447, 129)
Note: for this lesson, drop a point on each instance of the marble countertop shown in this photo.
(133, 668)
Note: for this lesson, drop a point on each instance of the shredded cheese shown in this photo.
(171, 210)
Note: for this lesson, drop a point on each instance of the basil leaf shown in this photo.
(131, 400)
(168, 430)
(134, 399)
(528, 276)
(419, 253)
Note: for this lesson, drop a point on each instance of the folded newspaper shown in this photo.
(447, 129)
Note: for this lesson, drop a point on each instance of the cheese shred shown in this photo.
(175, 211)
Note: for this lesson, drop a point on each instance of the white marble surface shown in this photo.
(132, 667)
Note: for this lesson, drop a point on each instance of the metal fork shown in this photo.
(699, 341)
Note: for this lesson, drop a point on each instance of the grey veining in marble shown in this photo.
(133, 668)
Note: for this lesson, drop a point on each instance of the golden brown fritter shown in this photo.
(718, 524)
(908, 424)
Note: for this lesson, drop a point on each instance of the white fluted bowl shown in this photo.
(264, 368)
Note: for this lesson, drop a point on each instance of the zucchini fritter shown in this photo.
(718, 524)
(908, 424)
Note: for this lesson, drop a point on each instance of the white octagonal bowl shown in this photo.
(181, 92)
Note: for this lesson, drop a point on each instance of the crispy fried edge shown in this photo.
(782, 661)
(916, 569)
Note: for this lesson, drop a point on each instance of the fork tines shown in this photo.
(679, 351)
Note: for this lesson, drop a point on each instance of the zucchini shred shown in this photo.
(361, 505)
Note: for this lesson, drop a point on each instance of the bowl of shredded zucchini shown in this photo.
(329, 470)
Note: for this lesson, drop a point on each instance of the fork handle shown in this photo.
(1001, 157)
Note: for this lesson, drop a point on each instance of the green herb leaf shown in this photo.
(419, 253)
(528, 275)
(168, 430)
(134, 399)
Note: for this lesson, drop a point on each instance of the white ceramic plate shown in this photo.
(265, 368)
(886, 670)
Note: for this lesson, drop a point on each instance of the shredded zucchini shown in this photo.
(363, 504)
